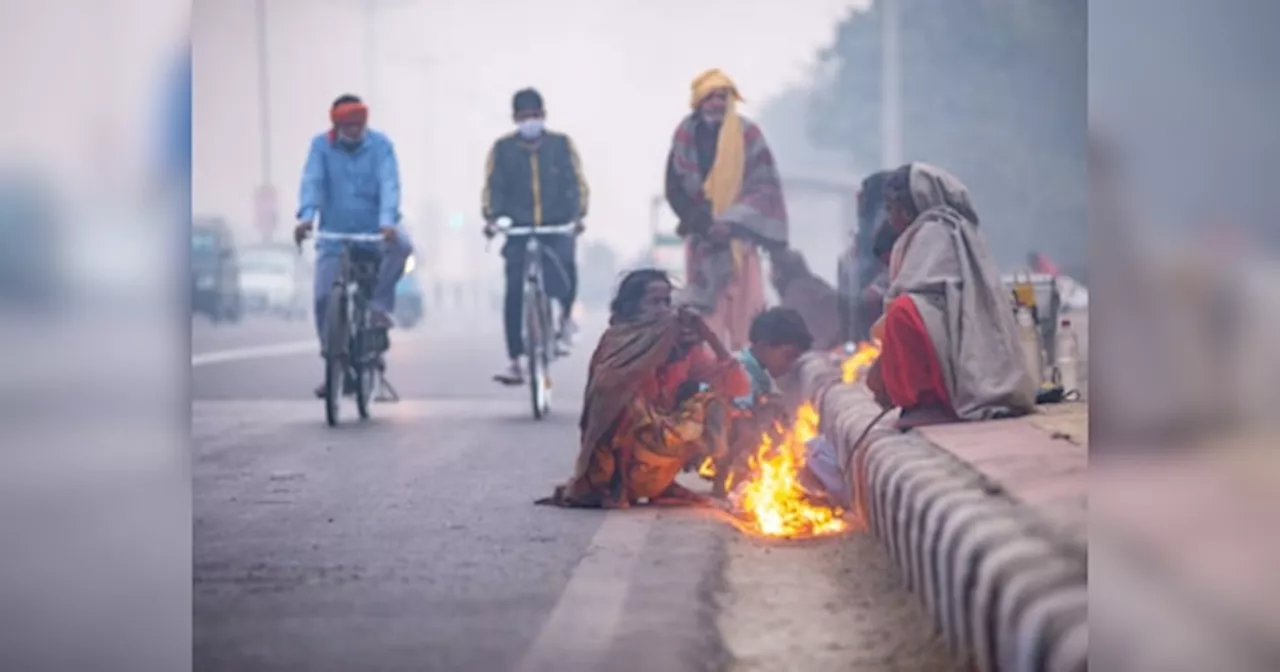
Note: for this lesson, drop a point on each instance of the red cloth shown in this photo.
(910, 374)
(349, 113)
(698, 364)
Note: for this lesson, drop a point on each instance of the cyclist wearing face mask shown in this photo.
(534, 178)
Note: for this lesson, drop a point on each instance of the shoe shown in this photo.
(512, 375)
(563, 347)
(568, 331)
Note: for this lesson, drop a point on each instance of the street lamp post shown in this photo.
(265, 201)
(370, 10)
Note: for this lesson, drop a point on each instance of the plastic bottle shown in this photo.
(1068, 356)
(1030, 338)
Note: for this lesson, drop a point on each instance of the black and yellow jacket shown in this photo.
(535, 185)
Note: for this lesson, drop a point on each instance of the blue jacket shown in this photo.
(176, 155)
(353, 190)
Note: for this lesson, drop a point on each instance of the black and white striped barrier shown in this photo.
(1008, 592)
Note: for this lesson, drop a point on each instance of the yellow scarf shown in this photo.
(724, 181)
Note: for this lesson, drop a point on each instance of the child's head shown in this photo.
(642, 294)
(778, 338)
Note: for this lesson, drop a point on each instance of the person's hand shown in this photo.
(704, 330)
(579, 227)
(719, 231)
(388, 233)
(300, 232)
(490, 229)
(688, 319)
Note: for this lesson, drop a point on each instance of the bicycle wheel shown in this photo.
(364, 373)
(536, 353)
(336, 351)
(547, 351)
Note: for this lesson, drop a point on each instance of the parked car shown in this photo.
(215, 273)
(31, 256)
(409, 304)
(274, 281)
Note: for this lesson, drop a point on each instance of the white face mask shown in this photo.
(349, 140)
(529, 128)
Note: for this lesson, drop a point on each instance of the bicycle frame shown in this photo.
(539, 346)
(353, 289)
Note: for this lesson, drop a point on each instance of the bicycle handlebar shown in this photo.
(518, 231)
(353, 237)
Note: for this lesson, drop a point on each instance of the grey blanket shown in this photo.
(943, 264)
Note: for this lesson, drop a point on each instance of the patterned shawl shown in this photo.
(756, 211)
(627, 353)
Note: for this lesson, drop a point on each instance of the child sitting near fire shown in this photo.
(778, 338)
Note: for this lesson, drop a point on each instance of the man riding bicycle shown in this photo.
(534, 178)
(352, 182)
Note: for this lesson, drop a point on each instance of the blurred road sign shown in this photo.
(266, 210)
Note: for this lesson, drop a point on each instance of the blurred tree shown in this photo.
(992, 90)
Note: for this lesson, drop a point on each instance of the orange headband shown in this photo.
(349, 113)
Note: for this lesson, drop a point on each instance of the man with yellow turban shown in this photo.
(724, 187)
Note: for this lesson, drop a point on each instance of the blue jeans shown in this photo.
(390, 270)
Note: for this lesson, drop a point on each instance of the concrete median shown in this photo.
(984, 521)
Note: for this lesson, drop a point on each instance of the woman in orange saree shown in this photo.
(657, 396)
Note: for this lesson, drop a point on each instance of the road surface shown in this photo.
(410, 542)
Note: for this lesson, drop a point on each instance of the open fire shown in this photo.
(855, 366)
(773, 501)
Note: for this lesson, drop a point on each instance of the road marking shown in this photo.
(273, 350)
(580, 629)
(256, 352)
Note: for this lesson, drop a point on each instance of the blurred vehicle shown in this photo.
(409, 302)
(273, 281)
(30, 222)
(215, 273)
(112, 259)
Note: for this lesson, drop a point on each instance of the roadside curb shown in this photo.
(1004, 586)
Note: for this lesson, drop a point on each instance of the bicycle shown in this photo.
(353, 349)
(539, 330)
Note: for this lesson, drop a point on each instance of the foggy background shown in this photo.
(615, 76)
(96, 489)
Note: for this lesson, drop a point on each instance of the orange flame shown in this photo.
(708, 468)
(772, 499)
(855, 366)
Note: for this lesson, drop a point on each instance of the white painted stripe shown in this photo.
(256, 352)
(581, 628)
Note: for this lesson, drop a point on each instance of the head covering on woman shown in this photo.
(943, 264)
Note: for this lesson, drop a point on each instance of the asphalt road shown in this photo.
(410, 542)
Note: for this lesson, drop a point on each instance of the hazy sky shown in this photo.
(615, 75)
(82, 88)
